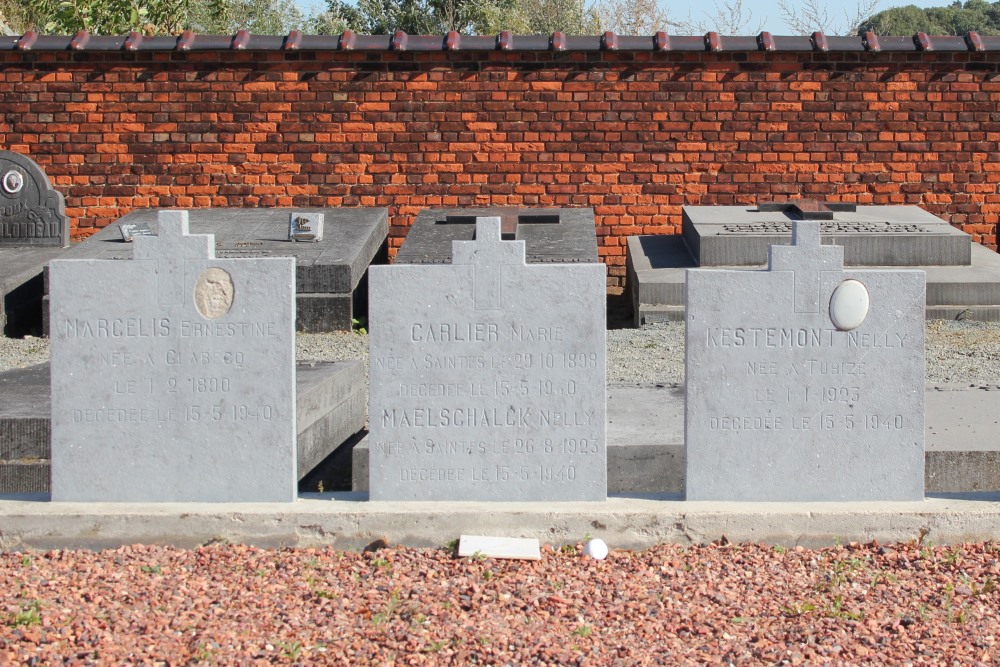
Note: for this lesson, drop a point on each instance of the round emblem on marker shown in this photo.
(13, 181)
(849, 305)
(213, 293)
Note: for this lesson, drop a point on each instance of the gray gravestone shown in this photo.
(31, 211)
(487, 377)
(550, 235)
(805, 382)
(180, 387)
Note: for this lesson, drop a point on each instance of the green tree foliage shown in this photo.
(113, 17)
(427, 17)
(955, 19)
(542, 17)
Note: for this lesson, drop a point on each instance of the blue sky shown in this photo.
(763, 11)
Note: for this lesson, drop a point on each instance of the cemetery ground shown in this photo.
(223, 603)
(854, 604)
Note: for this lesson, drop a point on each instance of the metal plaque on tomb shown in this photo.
(550, 235)
(870, 235)
(32, 213)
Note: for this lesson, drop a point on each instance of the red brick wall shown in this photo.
(634, 135)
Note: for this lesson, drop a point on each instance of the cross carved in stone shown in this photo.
(170, 248)
(807, 258)
(487, 254)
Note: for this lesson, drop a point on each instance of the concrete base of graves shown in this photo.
(330, 275)
(963, 278)
(646, 440)
(330, 409)
(348, 521)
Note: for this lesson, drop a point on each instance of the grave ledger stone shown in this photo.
(805, 382)
(487, 377)
(33, 230)
(177, 384)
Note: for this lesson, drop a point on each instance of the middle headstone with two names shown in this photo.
(488, 377)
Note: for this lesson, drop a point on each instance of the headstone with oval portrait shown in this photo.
(180, 388)
(31, 211)
(805, 382)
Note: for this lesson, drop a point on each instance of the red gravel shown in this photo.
(739, 604)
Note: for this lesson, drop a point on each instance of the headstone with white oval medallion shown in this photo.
(805, 382)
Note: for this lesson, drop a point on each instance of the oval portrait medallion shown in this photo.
(13, 181)
(213, 293)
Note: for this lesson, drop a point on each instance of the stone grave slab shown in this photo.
(330, 273)
(805, 382)
(870, 235)
(550, 235)
(159, 389)
(483, 386)
(646, 440)
(32, 212)
(33, 230)
(963, 278)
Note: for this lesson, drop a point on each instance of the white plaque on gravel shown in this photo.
(173, 374)
(512, 548)
(805, 382)
(487, 377)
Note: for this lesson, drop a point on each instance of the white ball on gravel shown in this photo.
(596, 549)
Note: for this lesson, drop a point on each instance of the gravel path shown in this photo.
(957, 352)
(720, 604)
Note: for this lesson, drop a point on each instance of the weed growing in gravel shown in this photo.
(151, 569)
(434, 647)
(382, 564)
(778, 549)
(290, 650)
(836, 610)
(390, 608)
(29, 615)
(487, 574)
(452, 546)
(583, 631)
(25, 560)
(798, 609)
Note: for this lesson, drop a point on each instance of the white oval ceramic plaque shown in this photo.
(213, 293)
(849, 305)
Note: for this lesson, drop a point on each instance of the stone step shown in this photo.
(646, 440)
(330, 397)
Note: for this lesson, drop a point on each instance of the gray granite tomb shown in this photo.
(33, 230)
(550, 235)
(805, 381)
(180, 388)
(487, 377)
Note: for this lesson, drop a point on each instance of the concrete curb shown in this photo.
(349, 521)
